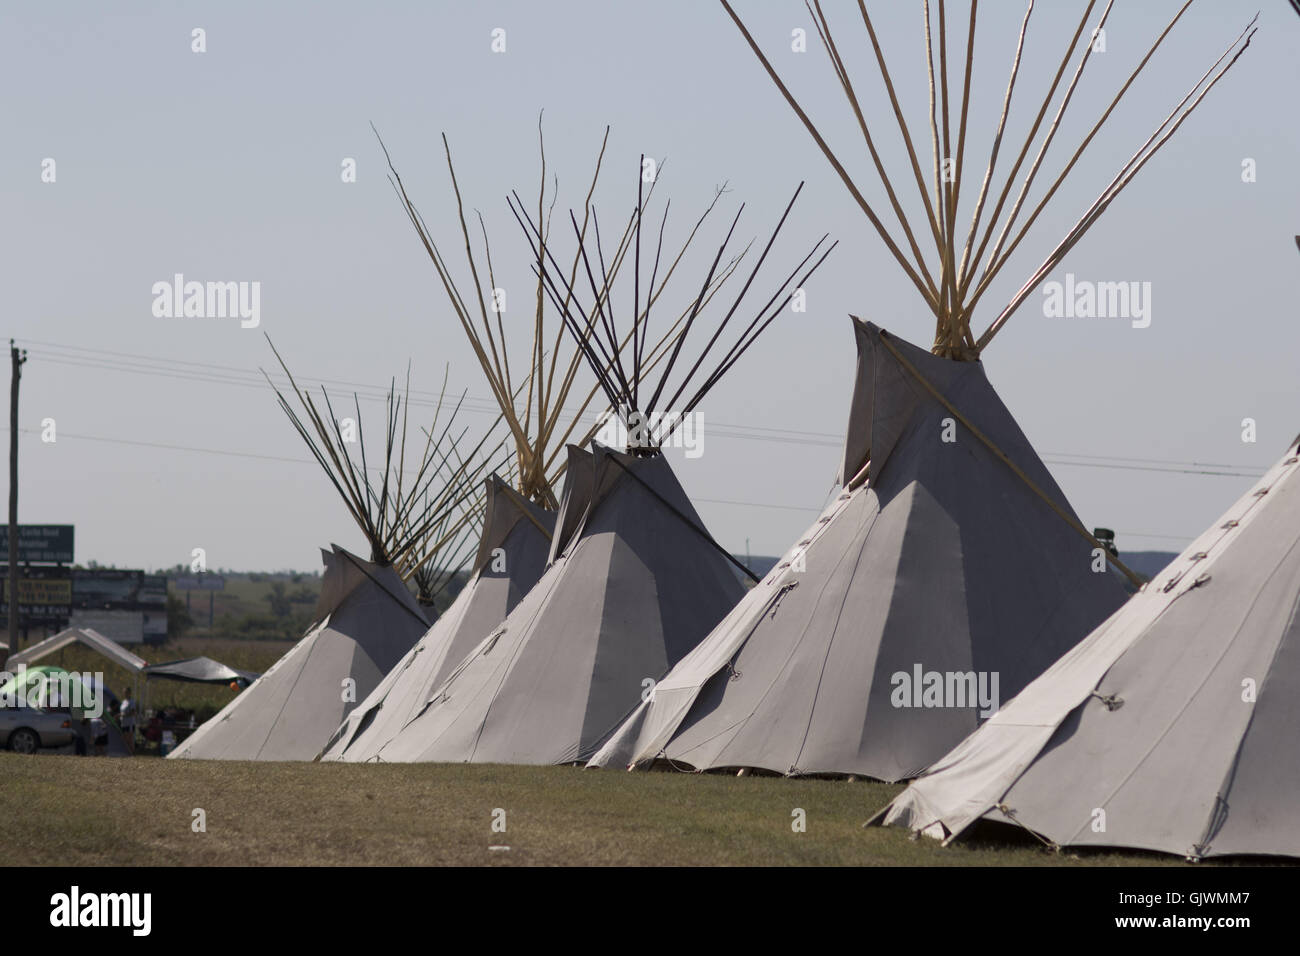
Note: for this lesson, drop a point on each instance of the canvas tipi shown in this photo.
(512, 552)
(366, 616)
(633, 580)
(1172, 726)
(950, 570)
(939, 559)
(519, 521)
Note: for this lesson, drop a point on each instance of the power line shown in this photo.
(170, 447)
(233, 375)
(1170, 471)
(304, 461)
(186, 370)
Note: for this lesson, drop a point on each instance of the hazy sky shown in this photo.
(225, 165)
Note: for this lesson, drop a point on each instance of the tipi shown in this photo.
(366, 616)
(512, 553)
(633, 579)
(950, 570)
(1172, 726)
(519, 521)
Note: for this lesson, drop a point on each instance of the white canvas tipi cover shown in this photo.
(511, 557)
(942, 566)
(632, 586)
(1173, 726)
(366, 620)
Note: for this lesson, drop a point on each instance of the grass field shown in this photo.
(86, 811)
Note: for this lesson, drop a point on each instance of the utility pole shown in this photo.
(17, 357)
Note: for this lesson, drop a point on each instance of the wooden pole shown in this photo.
(16, 357)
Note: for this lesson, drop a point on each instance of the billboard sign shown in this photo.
(40, 543)
(105, 589)
(44, 595)
(128, 606)
(124, 627)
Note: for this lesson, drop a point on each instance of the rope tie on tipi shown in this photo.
(779, 597)
(1111, 701)
(1065, 516)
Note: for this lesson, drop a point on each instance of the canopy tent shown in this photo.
(942, 557)
(366, 620)
(1172, 727)
(91, 638)
(199, 670)
(950, 569)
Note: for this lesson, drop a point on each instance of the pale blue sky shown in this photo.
(225, 165)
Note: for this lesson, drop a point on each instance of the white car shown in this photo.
(26, 730)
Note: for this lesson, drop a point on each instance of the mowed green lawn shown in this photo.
(88, 811)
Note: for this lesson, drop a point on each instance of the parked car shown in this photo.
(26, 730)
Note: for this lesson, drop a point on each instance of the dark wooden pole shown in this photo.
(17, 358)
